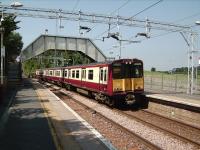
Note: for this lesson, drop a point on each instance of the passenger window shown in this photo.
(90, 74)
(101, 74)
(73, 73)
(65, 74)
(105, 75)
(51, 73)
(57, 73)
(77, 73)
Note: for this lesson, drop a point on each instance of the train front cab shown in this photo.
(128, 80)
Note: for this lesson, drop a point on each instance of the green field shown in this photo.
(170, 82)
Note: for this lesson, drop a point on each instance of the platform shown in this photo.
(25, 125)
(40, 120)
(181, 98)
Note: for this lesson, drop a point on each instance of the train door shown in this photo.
(83, 77)
(62, 76)
(101, 76)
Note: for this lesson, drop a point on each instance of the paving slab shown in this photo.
(26, 127)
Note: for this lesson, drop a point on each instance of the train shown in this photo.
(111, 82)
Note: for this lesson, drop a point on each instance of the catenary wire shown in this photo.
(124, 4)
(133, 16)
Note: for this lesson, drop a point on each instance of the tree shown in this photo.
(9, 24)
(12, 40)
(13, 46)
(153, 69)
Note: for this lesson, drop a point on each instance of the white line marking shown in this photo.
(95, 132)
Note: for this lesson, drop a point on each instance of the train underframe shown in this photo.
(118, 99)
(130, 98)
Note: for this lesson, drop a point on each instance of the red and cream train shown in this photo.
(112, 82)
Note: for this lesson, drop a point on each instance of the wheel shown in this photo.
(110, 102)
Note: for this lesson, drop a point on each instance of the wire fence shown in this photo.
(177, 83)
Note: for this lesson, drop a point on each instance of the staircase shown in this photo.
(14, 73)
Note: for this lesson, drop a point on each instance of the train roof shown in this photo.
(98, 63)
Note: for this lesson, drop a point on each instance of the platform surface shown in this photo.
(39, 120)
(182, 98)
(26, 126)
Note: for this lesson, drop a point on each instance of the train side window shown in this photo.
(90, 74)
(105, 75)
(77, 73)
(51, 72)
(73, 73)
(65, 74)
(101, 74)
(57, 73)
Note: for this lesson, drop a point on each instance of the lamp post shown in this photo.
(2, 56)
(2, 49)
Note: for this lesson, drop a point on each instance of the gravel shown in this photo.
(167, 124)
(156, 137)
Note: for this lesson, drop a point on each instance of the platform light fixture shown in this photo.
(16, 4)
(197, 22)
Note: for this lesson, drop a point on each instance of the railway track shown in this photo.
(141, 139)
(182, 123)
(191, 130)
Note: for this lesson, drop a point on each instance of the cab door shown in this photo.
(127, 77)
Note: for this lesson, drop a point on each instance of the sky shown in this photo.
(163, 50)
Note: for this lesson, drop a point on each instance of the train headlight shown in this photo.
(117, 89)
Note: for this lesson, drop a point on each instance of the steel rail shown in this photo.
(171, 133)
(172, 119)
(132, 134)
(141, 139)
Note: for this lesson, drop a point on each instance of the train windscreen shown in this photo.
(133, 70)
(137, 70)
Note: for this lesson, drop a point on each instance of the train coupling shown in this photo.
(130, 98)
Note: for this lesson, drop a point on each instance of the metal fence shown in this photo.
(169, 82)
